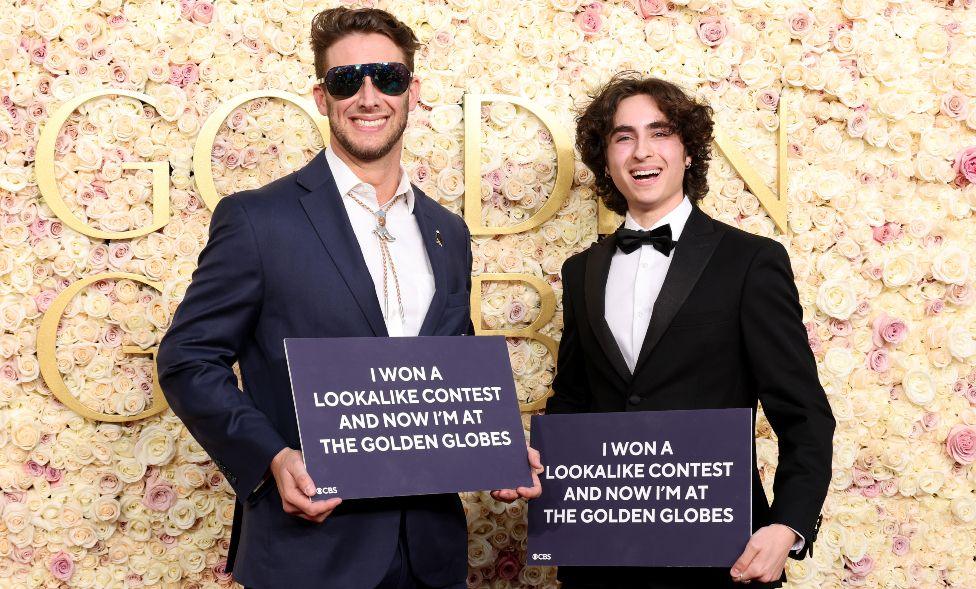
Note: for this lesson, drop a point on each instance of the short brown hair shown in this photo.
(331, 25)
(691, 120)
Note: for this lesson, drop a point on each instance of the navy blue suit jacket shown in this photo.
(283, 261)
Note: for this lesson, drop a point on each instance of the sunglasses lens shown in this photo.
(391, 79)
(344, 81)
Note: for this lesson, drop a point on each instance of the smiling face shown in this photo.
(645, 157)
(368, 125)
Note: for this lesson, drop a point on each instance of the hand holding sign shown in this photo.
(765, 555)
(510, 495)
(297, 489)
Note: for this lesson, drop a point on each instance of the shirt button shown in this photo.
(634, 399)
(645, 265)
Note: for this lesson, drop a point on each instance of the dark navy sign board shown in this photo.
(643, 504)
(387, 417)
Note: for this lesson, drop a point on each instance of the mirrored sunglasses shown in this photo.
(390, 78)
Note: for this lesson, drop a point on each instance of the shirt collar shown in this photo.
(346, 180)
(676, 219)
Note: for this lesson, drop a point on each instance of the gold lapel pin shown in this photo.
(438, 238)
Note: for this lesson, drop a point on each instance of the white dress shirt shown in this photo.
(635, 280)
(408, 252)
(633, 284)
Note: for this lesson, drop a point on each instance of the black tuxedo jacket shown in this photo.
(283, 261)
(726, 331)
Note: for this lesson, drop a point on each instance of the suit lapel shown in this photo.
(695, 248)
(435, 253)
(325, 210)
(595, 290)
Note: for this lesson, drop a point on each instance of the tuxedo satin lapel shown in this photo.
(695, 248)
(328, 216)
(435, 253)
(595, 291)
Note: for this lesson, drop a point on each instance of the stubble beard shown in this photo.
(368, 154)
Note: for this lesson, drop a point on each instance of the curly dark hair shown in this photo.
(331, 25)
(691, 120)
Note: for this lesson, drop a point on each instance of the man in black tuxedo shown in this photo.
(678, 311)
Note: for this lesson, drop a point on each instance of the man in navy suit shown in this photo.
(344, 247)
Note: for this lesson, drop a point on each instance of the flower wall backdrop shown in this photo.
(882, 165)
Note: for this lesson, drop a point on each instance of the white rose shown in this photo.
(918, 387)
(951, 265)
(964, 508)
(898, 270)
(837, 299)
(960, 342)
(839, 361)
(155, 446)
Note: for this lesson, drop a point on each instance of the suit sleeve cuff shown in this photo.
(798, 545)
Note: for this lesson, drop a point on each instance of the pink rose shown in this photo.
(954, 104)
(840, 328)
(175, 75)
(871, 491)
(878, 360)
(186, 8)
(159, 496)
(961, 294)
(813, 339)
(800, 23)
(888, 330)
(863, 478)
(249, 158)
(649, 8)
(857, 124)
(119, 73)
(930, 420)
(33, 469)
(23, 554)
(589, 21)
(887, 233)
(168, 540)
(220, 571)
(116, 21)
(935, 307)
(860, 568)
(767, 99)
(53, 475)
(421, 173)
(203, 13)
(966, 164)
(961, 444)
(507, 566)
(119, 253)
(888, 487)
(44, 299)
(191, 74)
(712, 30)
(970, 394)
(516, 312)
(8, 372)
(900, 545)
(232, 159)
(62, 567)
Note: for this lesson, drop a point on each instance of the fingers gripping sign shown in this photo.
(296, 488)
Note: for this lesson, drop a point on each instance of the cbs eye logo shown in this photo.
(326, 490)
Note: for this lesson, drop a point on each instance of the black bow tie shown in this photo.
(628, 240)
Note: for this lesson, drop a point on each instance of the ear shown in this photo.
(321, 100)
(413, 92)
